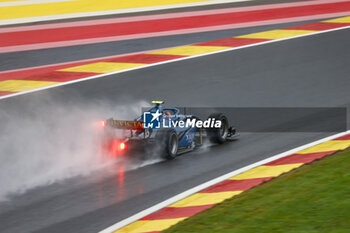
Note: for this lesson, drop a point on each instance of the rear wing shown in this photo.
(119, 124)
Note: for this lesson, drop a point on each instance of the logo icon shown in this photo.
(151, 120)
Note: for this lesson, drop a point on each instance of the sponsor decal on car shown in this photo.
(125, 124)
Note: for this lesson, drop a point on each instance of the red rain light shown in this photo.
(122, 146)
(103, 123)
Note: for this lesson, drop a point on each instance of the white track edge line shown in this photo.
(212, 182)
(170, 61)
(30, 2)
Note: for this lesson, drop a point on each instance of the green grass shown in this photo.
(313, 198)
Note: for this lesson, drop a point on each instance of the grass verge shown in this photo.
(313, 198)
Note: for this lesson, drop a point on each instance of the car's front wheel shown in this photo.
(219, 135)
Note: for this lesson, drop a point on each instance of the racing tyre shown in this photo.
(168, 141)
(219, 135)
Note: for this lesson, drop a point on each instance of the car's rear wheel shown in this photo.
(218, 135)
(168, 141)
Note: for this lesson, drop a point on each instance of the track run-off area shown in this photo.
(53, 181)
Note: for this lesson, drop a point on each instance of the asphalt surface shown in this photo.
(304, 72)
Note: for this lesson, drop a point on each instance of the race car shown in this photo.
(166, 131)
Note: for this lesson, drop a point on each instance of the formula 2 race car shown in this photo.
(165, 131)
